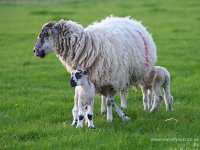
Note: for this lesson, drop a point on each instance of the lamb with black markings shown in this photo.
(84, 96)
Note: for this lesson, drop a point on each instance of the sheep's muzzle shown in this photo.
(39, 54)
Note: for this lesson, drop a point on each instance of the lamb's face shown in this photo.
(76, 77)
(44, 44)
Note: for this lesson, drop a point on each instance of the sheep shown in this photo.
(118, 51)
(84, 96)
(152, 83)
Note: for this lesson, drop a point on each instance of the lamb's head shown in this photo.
(44, 43)
(78, 77)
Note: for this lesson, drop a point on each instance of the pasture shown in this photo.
(36, 99)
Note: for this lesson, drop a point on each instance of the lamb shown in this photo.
(84, 96)
(118, 51)
(157, 78)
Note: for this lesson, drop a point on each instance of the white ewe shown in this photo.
(118, 51)
(84, 95)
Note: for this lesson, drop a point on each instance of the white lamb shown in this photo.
(84, 95)
(158, 78)
(119, 51)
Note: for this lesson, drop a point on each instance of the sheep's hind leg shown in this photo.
(123, 96)
(103, 105)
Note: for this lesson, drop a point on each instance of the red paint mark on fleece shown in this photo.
(146, 49)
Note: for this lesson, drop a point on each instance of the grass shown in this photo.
(36, 99)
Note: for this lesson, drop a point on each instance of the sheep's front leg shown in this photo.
(110, 104)
(89, 114)
(103, 105)
(120, 112)
(123, 96)
(81, 114)
(109, 109)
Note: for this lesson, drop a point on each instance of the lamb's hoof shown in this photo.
(169, 108)
(74, 123)
(91, 127)
(79, 126)
(126, 118)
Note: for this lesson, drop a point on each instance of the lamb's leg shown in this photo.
(75, 110)
(103, 105)
(89, 115)
(145, 97)
(167, 96)
(81, 114)
(150, 99)
(123, 96)
(157, 99)
(85, 114)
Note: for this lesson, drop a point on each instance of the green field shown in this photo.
(36, 99)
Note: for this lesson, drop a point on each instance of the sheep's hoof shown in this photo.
(152, 110)
(123, 107)
(126, 118)
(103, 113)
(109, 120)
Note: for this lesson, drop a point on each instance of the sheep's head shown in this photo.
(44, 43)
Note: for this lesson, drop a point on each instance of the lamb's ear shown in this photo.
(78, 67)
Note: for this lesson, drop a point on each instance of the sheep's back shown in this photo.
(122, 54)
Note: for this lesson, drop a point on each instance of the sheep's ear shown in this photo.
(49, 31)
(86, 71)
(54, 29)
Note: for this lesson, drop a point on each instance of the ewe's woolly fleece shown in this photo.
(112, 49)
